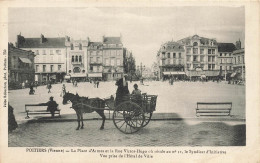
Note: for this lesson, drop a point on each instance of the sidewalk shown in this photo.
(60, 132)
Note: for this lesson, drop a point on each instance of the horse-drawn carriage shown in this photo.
(129, 116)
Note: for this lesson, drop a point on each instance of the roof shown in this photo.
(19, 51)
(172, 46)
(112, 40)
(47, 43)
(226, 47)
(203, 40)
(95, 43)
(239, 51)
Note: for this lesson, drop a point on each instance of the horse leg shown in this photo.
(101, 113)
(78, 119)
(81, 116)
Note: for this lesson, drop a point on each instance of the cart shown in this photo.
(131, 115)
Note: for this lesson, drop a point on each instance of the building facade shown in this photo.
(95, 61)
(76, 59)
(112, 58)
(20, 65)
(239, 64)
(50, 56)
(170, 59)
(225, 59)
(200, 56)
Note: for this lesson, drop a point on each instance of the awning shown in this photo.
(95, 75)
(174, 73)
(25, 60)
(78, 75)
(67, 77)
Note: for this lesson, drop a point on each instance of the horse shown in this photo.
(86, 105)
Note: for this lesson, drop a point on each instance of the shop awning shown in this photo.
(95, 75)
(67, 77)
(174, 73)
(25, 60)
(78, 75)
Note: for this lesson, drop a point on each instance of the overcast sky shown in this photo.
(143, 30)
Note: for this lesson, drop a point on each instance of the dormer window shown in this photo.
(195, 44)
(71, 47)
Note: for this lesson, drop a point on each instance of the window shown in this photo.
(188, 66)
(238, 59)
(220, 60)
(44, 68)
(91, 59)
(220, 54)
(195, 58)
(202, 66)
(213, 58)
(113, 53)
(209, 66)
(188, 58)
(80, 46)
(76, 58)
(36, 68)
(195, 66)
(230, 67)
(76, 70)
(220, 67)
(58, 52)
(195, 44)
(37, 52)
(209, 59)
(51, 68)
(202, 58)
(179, 55)
(43, 52)
(59, 67)
(209, 51)
(230, 54)
(71, 47)
(201, 51)
(118, 52)
(107, 61)
(213, 66)
(51, 52)
(72, 59)
(80, 58)
(195, 50)
(98, 60)
(235, 61)
(91, 68)
(169, 55)
(174, 55)
(112, 62)
(188, 50)
(213, 51)
(118, 62)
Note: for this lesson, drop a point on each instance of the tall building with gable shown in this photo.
(50, 56)
(112, 58)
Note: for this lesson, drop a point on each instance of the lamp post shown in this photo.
(141, 68)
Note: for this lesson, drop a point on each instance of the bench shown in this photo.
(213, 108)
(30, 110)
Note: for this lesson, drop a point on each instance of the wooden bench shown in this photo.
(30, 110)
(213, 109)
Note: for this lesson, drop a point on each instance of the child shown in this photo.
(136, 95)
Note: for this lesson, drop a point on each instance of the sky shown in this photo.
(143, 29)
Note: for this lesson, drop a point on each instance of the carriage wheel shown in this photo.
(128, 117)
(148, 117)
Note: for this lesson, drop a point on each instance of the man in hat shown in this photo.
(52, 106)
(122, 92)
(137, 95)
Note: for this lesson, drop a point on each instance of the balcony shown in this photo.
(95, 63)
(76, 63)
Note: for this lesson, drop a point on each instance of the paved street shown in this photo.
(181, 98)
(156, 133)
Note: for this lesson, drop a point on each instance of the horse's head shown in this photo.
(67, 97)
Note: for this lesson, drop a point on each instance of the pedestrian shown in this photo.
(63, 92)
(75, 83)
(94, 83)
(122, 92)
(52, 106)
(12, 124)
(137, 95)
(23, 85)
(97, 84)
(32, 91)
(171, 81)
(49, 87)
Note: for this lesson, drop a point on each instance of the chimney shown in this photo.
(20, 40)
(103, 38)
(238, 44)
